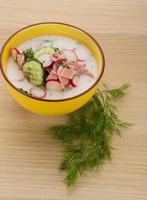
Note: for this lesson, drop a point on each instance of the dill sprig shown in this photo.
(88, 134)
(28, 54)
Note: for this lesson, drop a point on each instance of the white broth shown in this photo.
(16, 76)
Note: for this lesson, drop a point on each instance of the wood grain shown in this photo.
(29, 155)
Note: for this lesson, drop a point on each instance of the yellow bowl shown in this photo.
(51, 107)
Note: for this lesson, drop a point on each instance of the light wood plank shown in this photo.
(29, 155)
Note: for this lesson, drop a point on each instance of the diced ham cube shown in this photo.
(74, 81)
(63, 82)
(52, 75)
(67, 73)
(55, 67)
(59, 69)
(58, 57)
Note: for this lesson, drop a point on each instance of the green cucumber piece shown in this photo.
(34, 72)
(44, 50)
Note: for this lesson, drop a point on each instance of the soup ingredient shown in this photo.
(67, 73)
(70, 55)
(74, 81)
(20, 60)
(51, 67)
(37, 92)
(45, 59)
(88, 134)
(28, 54)
(53, 84)
(15, 52)
(58, 57)
(34, 72)
(17, 57)
(44, 50)
(24, 91)
(52, 75)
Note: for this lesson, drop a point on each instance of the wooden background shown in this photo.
(29, 155)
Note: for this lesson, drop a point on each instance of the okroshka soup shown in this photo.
(52, 67)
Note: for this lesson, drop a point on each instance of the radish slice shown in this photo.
(18, 52)
(15, 52)
(20, 60)
(19, 80)
(89, 74)
(19, 75)
(81, 60)
(45, 59)
(50, 67)
(37, 92)
(70, 55)
(53, 85)
(71, 86)
(74, 81)
(81, 55)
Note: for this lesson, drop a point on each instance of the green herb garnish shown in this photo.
(65, 65)
(28, 54)
(88, 134)
(55, 49)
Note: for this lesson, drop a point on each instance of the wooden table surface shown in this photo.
(29, 155)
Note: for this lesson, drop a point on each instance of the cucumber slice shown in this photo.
(34, 72)
(44, 50)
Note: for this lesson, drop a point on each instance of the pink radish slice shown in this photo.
(74, 81)
(81, 60)
(89, 74)
(50, 67)
(22, 79)
(15, 52)
(37, 92)
(53, 85)
(71, 86)
(70, 55)
(45, 59)
(80, 55)
(19, 75)
(20, 60)
(56, 80)
(55, 56)
(18, 52)
(82, 63)
(19, 80)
